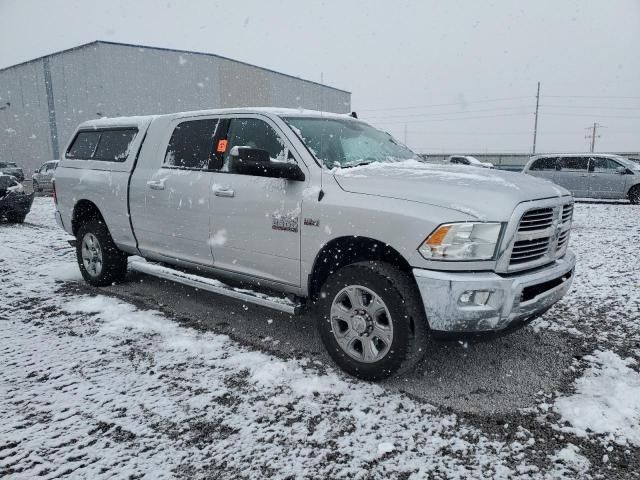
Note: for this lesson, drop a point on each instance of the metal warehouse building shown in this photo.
(43, 100)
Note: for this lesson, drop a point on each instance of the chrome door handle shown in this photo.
(156, 184)
(224, 192)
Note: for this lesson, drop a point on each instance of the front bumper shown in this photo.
(514, 298)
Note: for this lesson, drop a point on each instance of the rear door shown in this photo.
(256, 220)
(176, 219)
(605, 181)
(544, 168)
(573, 175)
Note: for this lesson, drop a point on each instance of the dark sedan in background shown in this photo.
(11, 168)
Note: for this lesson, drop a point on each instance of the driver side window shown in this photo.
(254, 133)
(603, 165)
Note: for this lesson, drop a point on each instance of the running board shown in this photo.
(281, 304)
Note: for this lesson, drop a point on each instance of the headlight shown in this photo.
(462, 241)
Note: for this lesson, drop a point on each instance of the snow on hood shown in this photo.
(483, 193)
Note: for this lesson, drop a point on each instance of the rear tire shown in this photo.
(634, 195)
(101, 262)
(16, 217)
(383, 331)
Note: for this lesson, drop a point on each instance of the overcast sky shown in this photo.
(401, 60)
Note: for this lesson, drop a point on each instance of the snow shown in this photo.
(142, 120)
(570, 457)
(385, 447)
(95, 387)
(416, 169)
(607, 399)
(219, 238)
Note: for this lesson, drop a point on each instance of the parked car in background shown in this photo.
(11, 168)
(42, 176)
(468, 160)
(590, 175)
(14, 203)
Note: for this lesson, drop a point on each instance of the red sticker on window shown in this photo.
(222, 146)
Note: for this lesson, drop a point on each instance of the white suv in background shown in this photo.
(43, 176)
(468, 160)
(590, 175)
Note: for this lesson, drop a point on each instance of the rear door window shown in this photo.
(114, 145)
(84, 145)
(191, 144)
(109, 145)
(574, 164)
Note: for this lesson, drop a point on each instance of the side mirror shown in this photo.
(621, 170)
(249, 154)
(37, 170)
(257, 163)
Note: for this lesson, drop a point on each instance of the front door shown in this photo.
(176, 219)
(256, 220)
(573, 175)
(605, 179)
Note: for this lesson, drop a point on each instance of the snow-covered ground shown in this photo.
(94, 387)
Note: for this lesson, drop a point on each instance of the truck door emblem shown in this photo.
(284, 223)
(312, 222)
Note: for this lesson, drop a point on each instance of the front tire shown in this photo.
(101, 262)
(16, 217)
(371, 320)
(634, 195)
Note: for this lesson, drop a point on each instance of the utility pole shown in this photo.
(535, 125)
(593, 135)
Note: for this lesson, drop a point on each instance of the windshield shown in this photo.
(346, 143)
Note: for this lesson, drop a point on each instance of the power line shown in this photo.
(462, 112)
(462, 102)
(591, 96)
(555, 132)
(560, 114)
(453, 119)
(593, 107)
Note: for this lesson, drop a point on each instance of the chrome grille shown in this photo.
(536, 219)
(562, 239)
(567, 212)
(529, 250)
(541, 236)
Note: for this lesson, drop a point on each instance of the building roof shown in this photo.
(147, 47)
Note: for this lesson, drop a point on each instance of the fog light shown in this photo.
(475, 297)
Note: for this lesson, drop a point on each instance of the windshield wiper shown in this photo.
(357, 164)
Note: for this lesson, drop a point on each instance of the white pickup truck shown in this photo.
(324, 209)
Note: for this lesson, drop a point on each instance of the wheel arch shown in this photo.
(346, 250)
(84, 211)
(632, 188)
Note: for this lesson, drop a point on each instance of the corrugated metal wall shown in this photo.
(105, 79)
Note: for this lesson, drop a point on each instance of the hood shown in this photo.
(486, 194)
